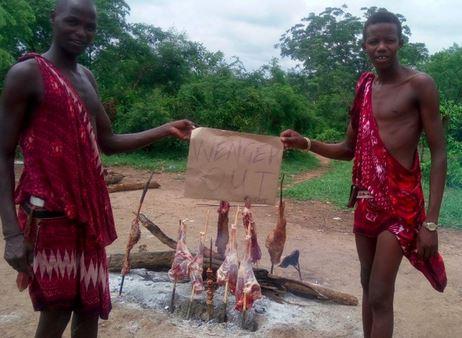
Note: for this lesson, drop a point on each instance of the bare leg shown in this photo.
(52, 324)
(84, 325)
(388, 256)
(366, 251)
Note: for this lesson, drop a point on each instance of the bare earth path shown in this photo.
(328, 256)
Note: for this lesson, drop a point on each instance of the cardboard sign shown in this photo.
(229, 166)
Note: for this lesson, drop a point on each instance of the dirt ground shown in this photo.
(328, 256)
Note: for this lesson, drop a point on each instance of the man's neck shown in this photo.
(61, 59)
(389, 75)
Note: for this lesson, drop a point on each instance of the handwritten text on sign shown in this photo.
(226, 165)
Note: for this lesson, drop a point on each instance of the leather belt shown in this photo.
(364, 194)
(40, 212)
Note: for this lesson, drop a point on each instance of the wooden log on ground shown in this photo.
(111, 177)
(317, 291)
(155, 261)
(131, 186)
(156, 231)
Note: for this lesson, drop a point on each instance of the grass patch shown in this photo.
(451, 212)
(334, 187)
(140, 160)
(297, 162)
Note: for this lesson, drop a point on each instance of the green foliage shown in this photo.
(452, 114)
(446, 69)
(15, 19)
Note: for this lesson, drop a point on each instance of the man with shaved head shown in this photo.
(56, 241)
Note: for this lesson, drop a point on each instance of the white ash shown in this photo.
(297, 317)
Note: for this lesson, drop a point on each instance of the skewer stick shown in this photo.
(172, 300)
(299, 273)
(143, 195)
(121, 284)
(244, 310)
(191, 298)
(237, 214)
(225, 301)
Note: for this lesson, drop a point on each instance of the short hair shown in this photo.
(383, 16)
(61, 4)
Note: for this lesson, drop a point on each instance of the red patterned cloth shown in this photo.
(70, 272)
(61, 159)
(398, 202)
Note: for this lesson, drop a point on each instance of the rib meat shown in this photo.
(229, 268)
(277, 238)
(247, 288)
(179, 271)
(250, 226)
(196, 268)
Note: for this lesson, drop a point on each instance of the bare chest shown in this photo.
(394, 104)
(86, 92)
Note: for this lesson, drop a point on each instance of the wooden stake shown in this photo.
(299, 273)
(172, 300)
(237, 214)
(188, 314)
(225, 301)
(244, 310)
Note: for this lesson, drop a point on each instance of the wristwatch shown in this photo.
(431, 226)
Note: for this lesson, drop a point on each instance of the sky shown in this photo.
(249, 29)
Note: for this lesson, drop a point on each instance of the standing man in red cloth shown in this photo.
(391, 110)
(50, 107)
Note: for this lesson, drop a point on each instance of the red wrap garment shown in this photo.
(398, 202)
(62, 166)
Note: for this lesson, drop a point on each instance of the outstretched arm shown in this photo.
(433, 127)
(111, 143)
(338, 151)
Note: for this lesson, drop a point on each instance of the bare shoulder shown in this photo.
(422, 81)
(24, 71)
(24, 78)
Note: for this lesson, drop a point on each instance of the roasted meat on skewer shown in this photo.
(222, 229)
(250, 227)
(179, 271)
(247, 288)
(196, 268)
(134, 237)
(228, 270)
(277, 238)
